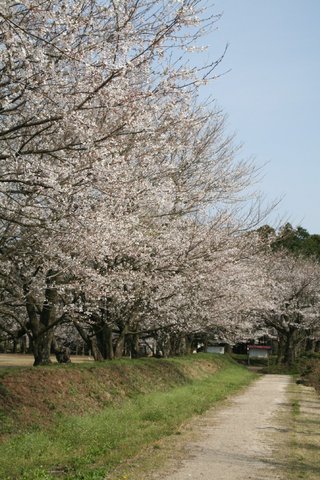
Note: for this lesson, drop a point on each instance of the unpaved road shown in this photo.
(237, 442)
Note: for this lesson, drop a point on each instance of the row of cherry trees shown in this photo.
(124, 211)
(290, 300)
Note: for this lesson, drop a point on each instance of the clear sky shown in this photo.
(272, 96)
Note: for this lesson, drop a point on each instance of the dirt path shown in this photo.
(236, 443)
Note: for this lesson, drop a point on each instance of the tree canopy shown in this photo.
(125, 211)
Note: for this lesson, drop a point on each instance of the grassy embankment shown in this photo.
(298, 454)
(81, 421)
(304, 423)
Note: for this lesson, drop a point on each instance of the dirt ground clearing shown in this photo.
(25, 360)
(236, 443)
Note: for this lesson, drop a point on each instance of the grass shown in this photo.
(298, 454)
(295, 407)
(270, 366)
(304, 364)
(30, 396)
(304, 439)
(89, 447)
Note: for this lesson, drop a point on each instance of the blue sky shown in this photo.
(272, 96)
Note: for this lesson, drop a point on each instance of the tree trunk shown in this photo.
(205, 344)
(310, 345)
(41, 340)
(104, 340)
(97, 355)
(24, 344)
(179, 345)
(91, 342)
(119, 349)
(42, 348)
(42, 321)
(189, 344)
(133, 345)
(290, 348)
(62, 353)
(163, 346)
(109, 355)
(280, 352)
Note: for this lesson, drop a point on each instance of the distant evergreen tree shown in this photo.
(296, 240)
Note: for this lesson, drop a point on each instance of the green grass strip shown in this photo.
(90, 446)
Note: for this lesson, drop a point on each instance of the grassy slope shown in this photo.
(128, 405)
(299, 441)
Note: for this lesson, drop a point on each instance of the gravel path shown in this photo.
(236, 442)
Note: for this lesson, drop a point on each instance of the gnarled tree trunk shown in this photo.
(42, 321)
(120, 344)
(103, 333)
(91, 342)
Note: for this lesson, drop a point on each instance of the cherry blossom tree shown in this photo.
(289, 300)
(120, 193)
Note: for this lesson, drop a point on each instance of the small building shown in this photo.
(216, 349)
(259, 352)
